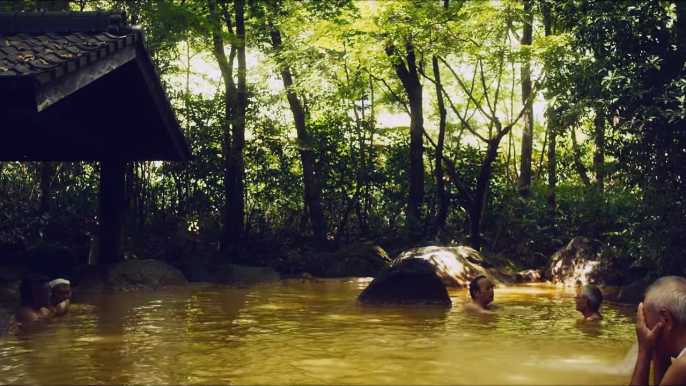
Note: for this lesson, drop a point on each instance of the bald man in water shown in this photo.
(661, 333)
(481, 292)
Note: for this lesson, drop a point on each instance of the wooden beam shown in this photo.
(68, 84)
(112, 207)
(159, 96)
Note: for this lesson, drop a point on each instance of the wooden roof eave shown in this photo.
(164, 107)
(54, 91)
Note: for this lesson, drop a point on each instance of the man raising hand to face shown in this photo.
(661, 333)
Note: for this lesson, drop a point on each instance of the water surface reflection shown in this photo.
(305, 333)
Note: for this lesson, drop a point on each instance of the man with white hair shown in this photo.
(588, 302)
(661, 333)
(60, 295)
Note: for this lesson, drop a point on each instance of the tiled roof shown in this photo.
(48, 45)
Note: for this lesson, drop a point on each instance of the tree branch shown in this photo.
(470, 94)
(452, 171)
(455, 110)
(397, 98)
(483, 84)
(503, 132)
(512, 29)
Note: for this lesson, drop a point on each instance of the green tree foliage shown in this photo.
(359, 124)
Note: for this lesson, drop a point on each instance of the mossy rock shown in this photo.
(410, 282)
(585, 260)
(130, 274)
(232, 274)
(529, 276)
(241, 275)
(630, 294)
(457, 266)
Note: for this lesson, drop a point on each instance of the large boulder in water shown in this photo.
(129, 274)
(412, 281)
(232, 274)
(528, 276)
(457, 266)
(421, 275)
(583, 260)
(630, 294)
(241, 275)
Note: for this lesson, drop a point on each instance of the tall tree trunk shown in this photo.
(141, 196)
(353, 202)
(46, 175)
(369, 188)
(226, 68)
(130, 185)
(112, 210)
(443, 200)
(312, 189)
(599, 154)
(552, 161)
(409, 76)
(482, 181)
(578, 164)
(237, 166)
(551, 121)
(528, 118)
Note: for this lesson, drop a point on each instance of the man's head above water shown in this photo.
(588, 300)
(35, 291)
(661, 333)
(481, 290)
(665, 302)
(61, 291)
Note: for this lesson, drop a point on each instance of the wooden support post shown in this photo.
(112, 207)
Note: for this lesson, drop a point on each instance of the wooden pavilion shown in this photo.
(81, 86)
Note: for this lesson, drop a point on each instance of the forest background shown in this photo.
(508, 126)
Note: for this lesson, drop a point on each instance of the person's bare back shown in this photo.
(29, 314)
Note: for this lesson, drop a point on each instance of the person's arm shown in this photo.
(676, 374)
(26, 316)
(641, 369)
(62, 308)
(661, 364)
(646, 347)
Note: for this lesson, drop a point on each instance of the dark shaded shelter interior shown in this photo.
(81, 86)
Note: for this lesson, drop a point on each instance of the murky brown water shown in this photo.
(315, 333)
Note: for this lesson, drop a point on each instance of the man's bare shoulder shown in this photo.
(25, 314)
(476, 309)
(676, 374)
